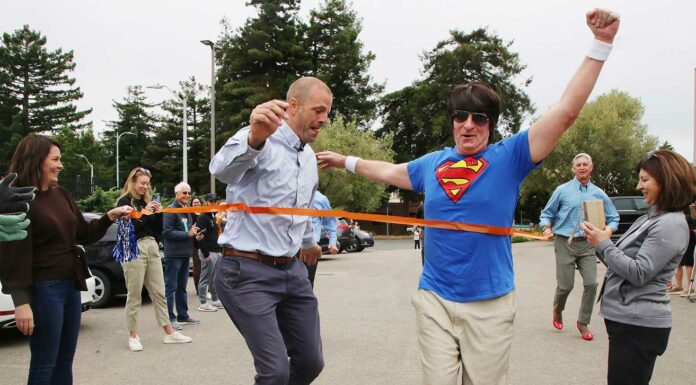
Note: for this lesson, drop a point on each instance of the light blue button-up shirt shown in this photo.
(328, 224)
(283, 173)
(566, 201)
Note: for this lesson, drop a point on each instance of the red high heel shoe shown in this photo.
(557, 321)
(586, 334)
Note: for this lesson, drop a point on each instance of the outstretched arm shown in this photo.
(376, 170)
(546, 131)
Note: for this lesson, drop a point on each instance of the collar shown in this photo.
(576, 183)
(291, 137)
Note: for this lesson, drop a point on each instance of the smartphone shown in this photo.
(156, 197)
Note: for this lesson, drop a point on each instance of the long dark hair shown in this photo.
(28, 158)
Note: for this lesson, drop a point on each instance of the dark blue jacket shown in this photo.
(177, 242)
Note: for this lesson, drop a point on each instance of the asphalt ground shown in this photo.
(368, 332)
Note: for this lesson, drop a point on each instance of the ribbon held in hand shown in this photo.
(476, 228)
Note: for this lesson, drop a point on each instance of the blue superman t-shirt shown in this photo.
(483, 189)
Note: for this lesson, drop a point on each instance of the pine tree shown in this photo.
(259, 62)
(336, 57)
(37, 94)
(133, 117)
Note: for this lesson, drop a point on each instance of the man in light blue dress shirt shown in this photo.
(562, 216)
(323, 224)
(262, 285)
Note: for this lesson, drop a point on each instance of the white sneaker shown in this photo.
(176, 338)
(217, 304)
(134, 344)
(207, 307)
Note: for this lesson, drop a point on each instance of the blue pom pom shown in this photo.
(126, 247)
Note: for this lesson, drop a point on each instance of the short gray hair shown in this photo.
(181, 186)
(582, 155)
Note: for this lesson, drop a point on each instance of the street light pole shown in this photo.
(91, 173)
(212, 107)
(184, 143)
(118, 138)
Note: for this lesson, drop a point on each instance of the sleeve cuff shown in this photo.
(308, 243)
(603, 245)
(20, 297)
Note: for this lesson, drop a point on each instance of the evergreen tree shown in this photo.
(336, 57)
(134, 149)
(259, 62)
(417, 115)
(166, 151)
(37, 94)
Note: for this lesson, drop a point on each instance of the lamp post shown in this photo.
(212, 107)
(118, 138)
(91, 173)
(184, 142)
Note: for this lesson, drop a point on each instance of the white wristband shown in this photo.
(599, 50)
(351, 162)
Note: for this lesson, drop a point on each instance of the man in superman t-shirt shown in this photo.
(465, 304)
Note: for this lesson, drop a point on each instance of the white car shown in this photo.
(7, 309)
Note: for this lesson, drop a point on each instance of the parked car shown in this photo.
(348, 238)
(108, 273)
(7, 308)
(630, 208)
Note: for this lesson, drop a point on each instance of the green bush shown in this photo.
(100, 201)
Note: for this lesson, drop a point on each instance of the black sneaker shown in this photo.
(189, 321)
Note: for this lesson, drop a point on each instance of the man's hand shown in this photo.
(311, 255)
(12, 227)
(547, 230)
(333, 249)
(328, 159)
(193, 231)
(265, 120)
(603, 23)
(593, 234)
(24, 318)
(14, 199)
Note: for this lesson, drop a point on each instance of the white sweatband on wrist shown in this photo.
(351, 162)
(599, 50)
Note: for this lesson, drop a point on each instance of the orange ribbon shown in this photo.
(476, 228)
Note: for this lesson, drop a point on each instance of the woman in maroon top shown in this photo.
(45, 272)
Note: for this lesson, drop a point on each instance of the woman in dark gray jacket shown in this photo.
(635, 305)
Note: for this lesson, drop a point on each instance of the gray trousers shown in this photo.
(578, 253)
(275, 310)
(207, 273)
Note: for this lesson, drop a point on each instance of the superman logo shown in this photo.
(456, 177)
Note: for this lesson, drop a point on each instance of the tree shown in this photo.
(259, 62)
(165, 152)
(417, 115)
(609, 129)
(134, 117)
(336, 57)
(666, 146)
(36, 91)
(83, 142)
(346, 190)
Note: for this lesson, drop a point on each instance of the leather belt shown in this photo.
(265, 259)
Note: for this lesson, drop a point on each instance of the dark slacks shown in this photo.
(633, 351)
(175, 280)
(312, 271)
(57, 311)
(275, 310)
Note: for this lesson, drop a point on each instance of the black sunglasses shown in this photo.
(478, 118)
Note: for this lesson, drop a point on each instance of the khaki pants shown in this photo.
(464, 342)
(145, 271)
(578, 253)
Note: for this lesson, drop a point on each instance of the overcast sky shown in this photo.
(126, 42)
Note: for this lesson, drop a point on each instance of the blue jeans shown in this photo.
(175, 280)
(57, 311)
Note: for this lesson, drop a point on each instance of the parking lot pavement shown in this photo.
(368, 332)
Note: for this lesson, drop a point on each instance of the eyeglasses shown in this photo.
(185, 192)
(478, 118)
(143, 170)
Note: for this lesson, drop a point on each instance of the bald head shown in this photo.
(304, 86)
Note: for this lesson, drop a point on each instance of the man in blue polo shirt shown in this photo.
(562, 216)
